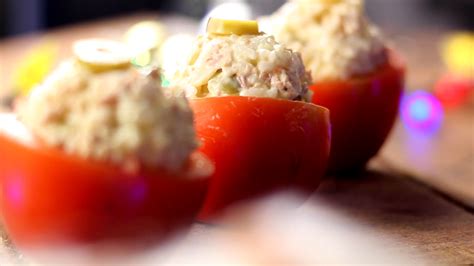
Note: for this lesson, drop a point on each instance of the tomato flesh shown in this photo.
(49, 199)
(363, 110)
(259, 145)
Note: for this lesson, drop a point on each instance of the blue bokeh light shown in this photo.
(421, 111)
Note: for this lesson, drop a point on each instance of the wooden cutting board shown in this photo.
(399, 208)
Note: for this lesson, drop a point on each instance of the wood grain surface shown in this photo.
(397, 207)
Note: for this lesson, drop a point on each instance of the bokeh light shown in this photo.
(458, 53)
(145, 36)
(175, 52)
(229, 10)
(421, 111)
(142, 60)
(453, 90)
(34, 67)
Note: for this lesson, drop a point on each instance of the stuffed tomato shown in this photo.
(253, 115)
(363, 111)
(49, 198)
(260, 145)
(98, 153)
(355, 75)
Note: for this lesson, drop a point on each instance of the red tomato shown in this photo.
(363, 110)
(49, 198)
(259, 145)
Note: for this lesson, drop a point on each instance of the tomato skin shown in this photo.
(363, 111)
(259, 145)
(49, 199)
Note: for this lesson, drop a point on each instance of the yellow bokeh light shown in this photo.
(34, 67)
(458, 53)
(142, 59)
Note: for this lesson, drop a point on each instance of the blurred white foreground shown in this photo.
(276, 230)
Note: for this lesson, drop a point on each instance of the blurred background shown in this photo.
(22, 16)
